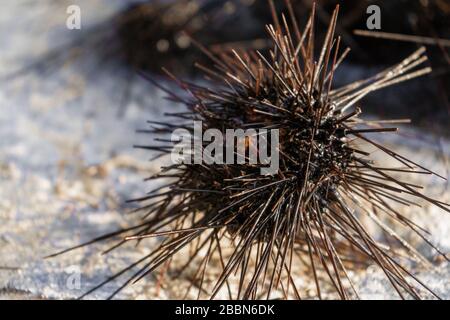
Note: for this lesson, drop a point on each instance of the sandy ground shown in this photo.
(67, 166)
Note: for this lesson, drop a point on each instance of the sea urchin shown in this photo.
(310, 212)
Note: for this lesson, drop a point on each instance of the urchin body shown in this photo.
(315, 153)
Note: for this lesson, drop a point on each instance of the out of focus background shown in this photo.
(72, 100)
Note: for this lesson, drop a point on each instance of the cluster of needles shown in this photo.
(261, 228)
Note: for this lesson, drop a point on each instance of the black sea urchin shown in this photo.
(260, 228)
